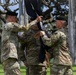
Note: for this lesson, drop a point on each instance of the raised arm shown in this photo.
(16, 27)
(46, 40)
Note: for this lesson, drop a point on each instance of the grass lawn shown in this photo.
(23, 71)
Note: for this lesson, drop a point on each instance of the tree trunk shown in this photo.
(21, 16)
(23, 19)
(72, 29)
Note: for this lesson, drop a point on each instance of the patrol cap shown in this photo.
(61, 18)
(11, 13)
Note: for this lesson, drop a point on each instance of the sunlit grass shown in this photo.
(23, 70)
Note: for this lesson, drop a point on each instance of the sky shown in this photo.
(16, 6)
(11, 7)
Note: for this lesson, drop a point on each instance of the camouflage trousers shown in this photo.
(61, 70)
(11, 67)
(36, 70)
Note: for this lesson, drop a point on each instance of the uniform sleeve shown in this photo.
(21, 52)
(16, 27)
(52, 40)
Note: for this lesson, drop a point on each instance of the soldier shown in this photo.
(9, 57)
(62, 63)
(32, 52)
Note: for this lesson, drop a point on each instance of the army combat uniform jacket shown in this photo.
(9, 39)
(58, 44)
(32, 47)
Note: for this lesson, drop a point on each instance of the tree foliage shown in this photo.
(5, 4)
(56, 7)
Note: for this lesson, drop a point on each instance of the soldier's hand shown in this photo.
(42, 33)
(39, 18)
(37, 35)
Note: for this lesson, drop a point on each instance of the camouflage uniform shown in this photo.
(62, 63)
(9, 57)
(32, 53)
